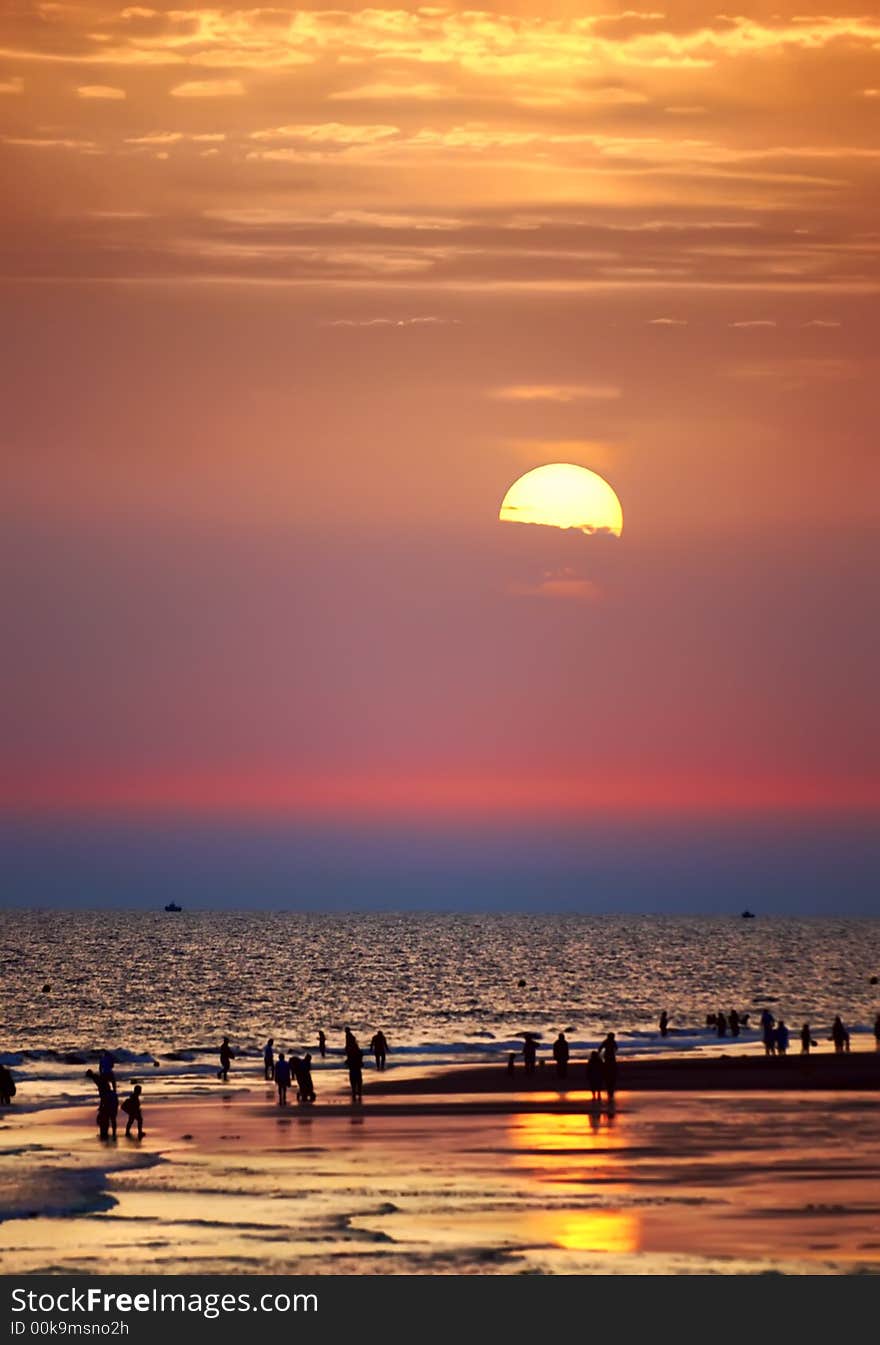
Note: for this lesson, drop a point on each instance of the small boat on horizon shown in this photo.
(173, 906)
(746, 914)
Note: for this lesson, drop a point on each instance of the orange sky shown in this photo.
(293, 296)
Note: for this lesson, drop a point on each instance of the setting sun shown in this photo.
(562, 495)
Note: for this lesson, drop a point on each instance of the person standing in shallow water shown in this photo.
(807, 1039)
(7, 1087)
(560, 1055)
(282, 1078)
(608, 1053)
(106, 1100)
(355, 1060)
(781, 1038)
(269, 1060)
(664, 1024)
(839, 1035)
(594, 1075)
(530, 1053)
(322, 1045)
(768, 1023)
(306, 1087)
(226, 1054)
(379, 1047)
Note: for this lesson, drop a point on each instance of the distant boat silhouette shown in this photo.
(173, 906)
(746, 915)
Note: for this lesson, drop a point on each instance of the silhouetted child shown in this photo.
(664, 1024)
(594, 1075)
(734, 1021)
(782, 1037)
(530, 1054)
(322, 1044)
(560, 1055)
(132, 1108)
(306, 1087)
(721, 1025)
(282, 1078)
(807, 1039)
(269, 1059)
(226, 1055)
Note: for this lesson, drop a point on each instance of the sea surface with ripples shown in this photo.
(443, 987)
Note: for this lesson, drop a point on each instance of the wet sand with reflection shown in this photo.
(666, 1184)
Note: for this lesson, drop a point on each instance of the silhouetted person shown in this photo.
(560, 1055)
(282, 1078)
(511, 1062)
(608, 1053)
(132, 1108)
(379, 1047)
(768, 1022)
(7, 1087)
(721, 1025)
(530, 1053)
(877, 1031)
(664, 1024)
(807, 1039)
(306, 1087)
(322, 1044)
(106, 1099)
(226, 1054)
(839, 1035)
(594, 1075)
(355, 1058)
(269, 1059)
(734, 1020)
(781, 1038)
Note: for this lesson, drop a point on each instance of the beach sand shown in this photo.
(668, 1183)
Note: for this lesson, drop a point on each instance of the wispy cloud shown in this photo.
(427, 321)
(754, 322)
(155, 138)
(556, 392)
(106, 91)
(13, 85)
(667, 322)
(565, 583)
(208, 88)
(383, 91)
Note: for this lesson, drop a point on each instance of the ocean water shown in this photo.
(445, 988)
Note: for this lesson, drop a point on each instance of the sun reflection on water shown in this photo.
(580, 1150)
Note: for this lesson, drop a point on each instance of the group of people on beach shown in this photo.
(285, 1071)
(776, 1036)
(108, 1100)
(295, 1070)
(601, 1066)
